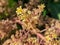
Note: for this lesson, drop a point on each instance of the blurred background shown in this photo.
(8, 7)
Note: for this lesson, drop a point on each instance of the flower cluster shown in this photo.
(30, 34)
(25, 13)
(29, 18)
(6, 26)
(50, 34)
(22, 37)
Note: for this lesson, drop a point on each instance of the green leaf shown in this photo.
(54, 9)
(59, 15)
(11, 3)
(44, 13)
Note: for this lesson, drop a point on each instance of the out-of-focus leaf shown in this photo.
(54, 9)
(44, 13)
(2, 16)
(11, 3)
(59, 15)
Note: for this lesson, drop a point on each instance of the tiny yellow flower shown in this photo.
(24, 10)
(41, 7)
(29, 12)
(35, 17)
(15, 43)
(48, 38)
(23, 17)
(54, 35)
(32, 39)
(19, 10)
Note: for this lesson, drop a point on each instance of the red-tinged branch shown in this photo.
(38, 34)
(41, 36)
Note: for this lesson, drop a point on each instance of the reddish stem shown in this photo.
(41, 36)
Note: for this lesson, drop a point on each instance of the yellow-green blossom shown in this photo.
(41, 7)
(19, 10)
(23, 17)
(32, 39)
(22, 14)
(48, 38)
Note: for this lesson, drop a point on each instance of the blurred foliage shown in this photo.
(44, 13)
(53, 7)
(12, 3)
(9, 9)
